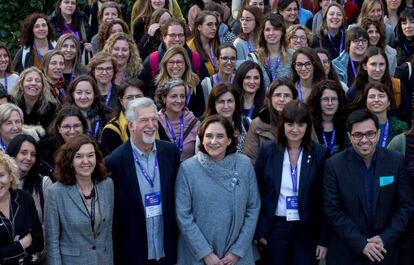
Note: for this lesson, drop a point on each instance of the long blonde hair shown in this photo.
(143, 8)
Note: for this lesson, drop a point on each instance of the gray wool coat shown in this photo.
(217, 206)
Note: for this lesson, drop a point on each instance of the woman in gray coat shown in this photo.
(217, 200)
(79, 207)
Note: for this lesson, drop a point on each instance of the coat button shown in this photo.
(93, 248)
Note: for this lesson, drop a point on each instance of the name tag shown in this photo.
(292, 212)
(153, 204)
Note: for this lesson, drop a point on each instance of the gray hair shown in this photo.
(6, 110)
(138, 103)
(165, 88)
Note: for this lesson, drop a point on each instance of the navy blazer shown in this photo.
(346, 209)
(130, 233)
(269, 166)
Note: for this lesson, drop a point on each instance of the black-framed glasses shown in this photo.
(359, 135)
(307, 65)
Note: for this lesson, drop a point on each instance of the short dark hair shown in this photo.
(66, 111)
(228, 127)
(64, 171)
(360, 115)
(297, 112)
(129, 82)
(353, 34)
(384, 89)
(171, 22)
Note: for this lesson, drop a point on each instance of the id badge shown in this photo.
(153, 204)
(292, 212)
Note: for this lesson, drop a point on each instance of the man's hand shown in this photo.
(321, 252)
(373, 252)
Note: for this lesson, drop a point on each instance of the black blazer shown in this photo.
(26, 221)
(129, 233)
(269, 166)
(347, 213)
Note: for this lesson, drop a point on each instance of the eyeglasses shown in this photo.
(247, 19)
(360, 41)
(75, 127)
(132, 97)
(177, 62)
(282, 95)
(327, 100)
(174, 35)
(298, 38)
(228, 58)
(104, 69)
(308, 65)
(359, 135)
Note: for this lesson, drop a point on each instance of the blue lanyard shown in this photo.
(95, 132)
(294, 172)
(341, 45)
(385, 135)
(187, 101)
(3, 145)
(147, 176)
(249, 46)
(407, 49)
(39, 55)
(180, 143)
(6, 82)
(213, 59)
(217, 80)
(250, 113)
(331, 144)
(276, 66)
(299, 92)
(353, 67)
(108, 96)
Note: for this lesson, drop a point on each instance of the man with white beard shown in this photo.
(144, 170)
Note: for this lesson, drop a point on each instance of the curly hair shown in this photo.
(276, 21)
(100, 58)
(11, 168)
(9, 68)
(45, 98)
(134, 64)
(105, 31)
(291, 30)
(318, 70)
(26, 32)
(215, 43)
(71, 37)
(64, 171)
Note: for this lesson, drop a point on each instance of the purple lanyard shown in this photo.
(213, 59)
(39, 55)
(180, 143)
(250, 113)
(217, 80)
(249, 46)
(277, 64)
(353, 67)
(108, 96)
(294, 172)
(299, 92)
(76, 34)
(407, 49)
(96, 130)
(147, 176)
(187, 101)
(6, 82)
(331, 144)
(3, 145)
(385, 135)
(341, 45)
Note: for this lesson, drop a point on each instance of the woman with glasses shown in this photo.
(178, 123)
(250, 19)
(307, 70)
(103, 69)
(379, 100)
(290, 177)
(263, 128)
(298, 36)
(226, 67)
(205, 39)
(116, 130)
(328, 109)
(176, 64)
(69, 45)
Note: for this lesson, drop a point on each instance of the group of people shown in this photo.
(273, 135)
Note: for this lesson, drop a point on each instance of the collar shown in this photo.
(359, 158)
(140, 153)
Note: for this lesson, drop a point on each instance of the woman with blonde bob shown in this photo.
(297, 36)
(125, 51)
(32, 95)
(11, 123)
(70, 46)
(177, 64)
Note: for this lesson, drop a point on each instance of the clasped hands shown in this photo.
(374, 249)
(228, 259)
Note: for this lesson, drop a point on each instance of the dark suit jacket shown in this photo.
(130, 233)
(347, 212)
(269, 166)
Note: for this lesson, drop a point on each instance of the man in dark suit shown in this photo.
(144, 172)
(367, 197)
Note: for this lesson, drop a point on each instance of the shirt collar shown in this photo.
(139, 152)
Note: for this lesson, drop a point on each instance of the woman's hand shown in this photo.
(153, 28)
(26, 241)
(321, 252)
(212, 259)
(88, 46)
(230, 259)
(263, 241)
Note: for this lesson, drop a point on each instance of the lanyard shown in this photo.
(276, 66)
(213, 59)
(353, 67)
(6, 82)
(92, 213)
(299, 92)
(407, 49)
(76, 34)
(180, 143)
(250, 46)
(294, 172)
(341, 45)
(331, 144)
(385, 135)
(108, 96)
(96, 130)
(250, 113)
(147, 176)
(187, 101)
(217, 80)
(3, 145)
(39, 55)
